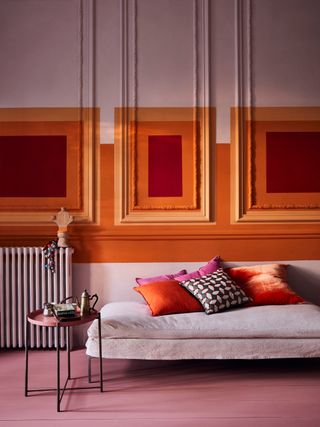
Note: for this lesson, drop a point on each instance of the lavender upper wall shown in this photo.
(40, 53)
(165, 56)
(285, 58)
(70, 52)
(285, 36)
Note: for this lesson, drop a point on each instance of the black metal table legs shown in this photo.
(61, 390)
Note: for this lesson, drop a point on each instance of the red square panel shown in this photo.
(33, 166)
(165, 166)
(293, 162)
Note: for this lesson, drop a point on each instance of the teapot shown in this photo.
(85, 303)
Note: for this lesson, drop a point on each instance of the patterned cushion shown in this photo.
(216, 291)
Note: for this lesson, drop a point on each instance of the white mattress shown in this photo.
(130, 331)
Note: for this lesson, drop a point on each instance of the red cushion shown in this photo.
(168, 297)
(265, 284)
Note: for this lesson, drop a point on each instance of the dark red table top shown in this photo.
(37, 318)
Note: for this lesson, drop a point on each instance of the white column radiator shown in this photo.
(25, 285)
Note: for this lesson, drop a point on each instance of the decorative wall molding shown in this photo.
(87, 54)
(133, 203)
(257, 205)
(90, 114)
(245, 194)
(242, 98)
(81, 161)
(129, 82)
(80, 126)
(243, 53)
(126, 134)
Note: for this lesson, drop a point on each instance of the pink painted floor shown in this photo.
(283, 393)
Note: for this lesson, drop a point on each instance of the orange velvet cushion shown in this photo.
(265, 284)
(168, 297)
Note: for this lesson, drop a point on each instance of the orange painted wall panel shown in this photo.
(109, 243)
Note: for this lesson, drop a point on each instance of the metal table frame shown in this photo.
(58, 325)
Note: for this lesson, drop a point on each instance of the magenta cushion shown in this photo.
(209, 268)
(146, 280)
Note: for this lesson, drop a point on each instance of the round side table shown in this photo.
(37, 318)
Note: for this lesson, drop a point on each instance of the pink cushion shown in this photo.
(209, 268)
(146, 280)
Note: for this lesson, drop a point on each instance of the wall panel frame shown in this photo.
(128, 129)
(80, 129)
(250, 201)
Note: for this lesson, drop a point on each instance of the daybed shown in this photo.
(129, 330)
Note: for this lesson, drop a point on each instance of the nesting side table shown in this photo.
(37, 318)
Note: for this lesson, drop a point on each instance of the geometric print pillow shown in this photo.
(216, 291)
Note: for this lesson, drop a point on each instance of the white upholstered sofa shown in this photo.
(129, 331)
